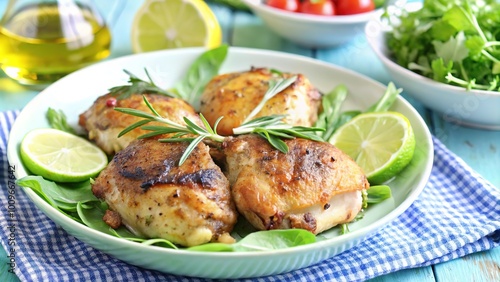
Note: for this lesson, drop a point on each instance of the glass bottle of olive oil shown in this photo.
(43, 41)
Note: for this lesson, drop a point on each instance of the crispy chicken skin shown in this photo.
(104, 124)
(188, 205)
(315, 186)
(235, 95)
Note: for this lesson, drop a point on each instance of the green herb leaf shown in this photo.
(461, 33)
(272, 128)
(329, 117)
(385, 102)
(453, 50)
(57, 120)
(378, 193)
(262, 241)
(138, 86)
(275, 87)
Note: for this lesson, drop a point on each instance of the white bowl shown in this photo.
(362, 93)
(473, 108)
(311, 31)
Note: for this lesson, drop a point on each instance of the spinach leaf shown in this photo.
(262, 241)
(39, 185)
(203, 69)
(378, 193)
(132, 237)
(67, 193)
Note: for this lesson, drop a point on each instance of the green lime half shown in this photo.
(61, 156)
(382, 143)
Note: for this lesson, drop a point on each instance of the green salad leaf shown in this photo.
(263, 241)
(57, 119)
(455, 42)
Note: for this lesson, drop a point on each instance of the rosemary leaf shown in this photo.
(138, 86)
(274, 141)
(150, 106)
(135, 112)
(275, 87)
(176, 139)
(133, 126)
(190, 148)
(194, 128)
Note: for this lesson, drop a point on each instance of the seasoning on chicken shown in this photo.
(104, 124)
(188, 205)
(235, 95)
(314, 186)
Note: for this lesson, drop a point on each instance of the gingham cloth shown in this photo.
(458, 213)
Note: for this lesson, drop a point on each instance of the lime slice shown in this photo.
(61, 156)
(381, 143)
(166, 24)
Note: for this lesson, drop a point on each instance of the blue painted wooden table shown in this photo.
(479, 148)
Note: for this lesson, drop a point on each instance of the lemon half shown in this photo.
(166, 24)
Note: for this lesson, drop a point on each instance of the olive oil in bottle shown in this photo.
(40, 43)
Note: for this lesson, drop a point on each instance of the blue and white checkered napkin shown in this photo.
(458, 213)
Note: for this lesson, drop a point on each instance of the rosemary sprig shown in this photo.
(139, 86)
(275, 87)
(272, 128)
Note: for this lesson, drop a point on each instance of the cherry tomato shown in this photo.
(288, 5)
(317, 7)
(350, 7)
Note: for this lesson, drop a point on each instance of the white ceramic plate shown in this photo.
(474, 108)
(77, 91)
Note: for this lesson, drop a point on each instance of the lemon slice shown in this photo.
(381, 143)
(60, 156)
(166, 24)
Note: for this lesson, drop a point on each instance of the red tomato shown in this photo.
(350, 7)
(317, 7)
(288, 5)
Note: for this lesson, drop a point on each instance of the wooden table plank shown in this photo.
(424, 274)
(477, 267)
(480, 149)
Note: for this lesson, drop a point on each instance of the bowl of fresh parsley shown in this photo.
(445, 54)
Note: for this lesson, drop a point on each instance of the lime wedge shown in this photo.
(60, 156)
(381, 143)
(166, 24)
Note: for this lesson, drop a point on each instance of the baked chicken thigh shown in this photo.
(154, 197)
(235, 95)
(314, 186)
(104, 124)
